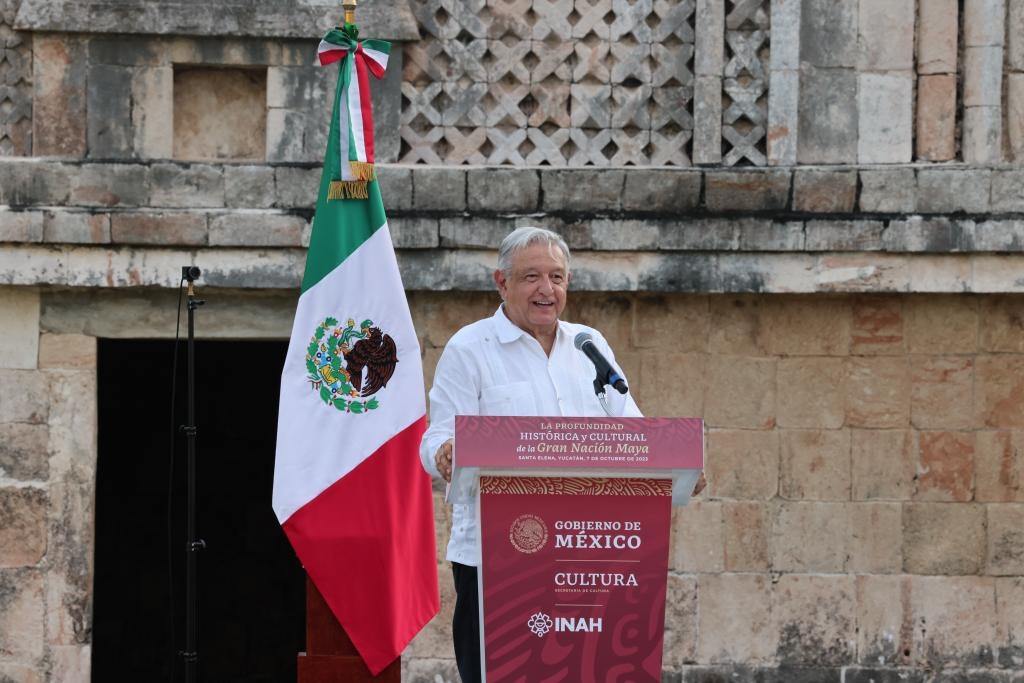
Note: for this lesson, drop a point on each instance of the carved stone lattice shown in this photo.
(549, 82)
(745, 83)
(15, 85)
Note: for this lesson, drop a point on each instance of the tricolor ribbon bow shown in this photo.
(352, 120)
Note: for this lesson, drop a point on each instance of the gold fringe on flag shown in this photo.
(362, 170)
(347, 189)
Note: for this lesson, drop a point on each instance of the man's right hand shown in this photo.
(443, 460)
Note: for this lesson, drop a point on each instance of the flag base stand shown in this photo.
(330, 656)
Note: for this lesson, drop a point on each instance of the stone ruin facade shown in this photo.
(801, 220)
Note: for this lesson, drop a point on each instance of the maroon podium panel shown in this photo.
(574, 577)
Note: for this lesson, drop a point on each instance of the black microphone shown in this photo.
(606, 374)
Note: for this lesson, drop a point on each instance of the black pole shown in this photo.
(194, 544)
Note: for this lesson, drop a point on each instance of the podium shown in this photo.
(574, 517)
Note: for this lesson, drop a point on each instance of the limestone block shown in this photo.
(804, 326)
(937, 37)
(998, 391)
(984, 22)
(70, 663)
(983, 76)
(982, 135)
(1015, 35)
(820, 190)
(843, 235)
(940, 274)
(249, 187)
(941, 325)
(939, 234)
(883, 464)
(757, 235)
(703, 235)
(945, 466)
(828, 33)
(659, 191)
(814, 616)
(881, 640)
(24, 451)
(742, 464)
(395, 186)
(414, 233)
(745, 532)
(947, 191)
(629, 235)
(882, 28)
(109, 112)
(783, 121)
(680, 621)
(23, 532)
(23, 397)
(999, 466)
(885, 117)
(994, 274)
(996, 235)
(671, 383)
(21, 226)
(955, 618)
(943, 538)
(24, 673)
(888, 190)
(164, 228)
(153, 112)
(21, 615)
(709, 47)
(1015, 115)
(440, 189)
(110, 185)
(669, 65)
(697, 538)
(747, 190)
(478, 233)
(256, 230)
(741, 393)
(59, 98)
(631, 145)
(285, 138)
(801, 400)
(940, 385)
(815, 464)
(809, 537)
(1005, 539)
(67, 351)
(1010, 621)
(29, 182)
(630, 106)
(503, 190)
(828, 114)
(585, 190)
(876, 536)
(1000, 323)
(936, 117)
(734, 618)
(877, 392)
(19, 338)
(180, 186)
(1008, 190)
(876, 326)
(707, 120)
(296, 187)
(785, 54)
(220, 113)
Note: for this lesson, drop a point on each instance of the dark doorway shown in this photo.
(251, 586)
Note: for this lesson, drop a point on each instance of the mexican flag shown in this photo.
(349, 489)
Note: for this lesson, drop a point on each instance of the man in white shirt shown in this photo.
(520, 361)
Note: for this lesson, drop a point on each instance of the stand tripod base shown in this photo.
(330, 656)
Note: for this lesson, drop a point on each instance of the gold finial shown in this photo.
(350, 11)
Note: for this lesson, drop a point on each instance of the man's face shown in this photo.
(534, 291)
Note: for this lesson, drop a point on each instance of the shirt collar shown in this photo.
(509, 331)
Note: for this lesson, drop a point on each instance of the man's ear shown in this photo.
(501, 282)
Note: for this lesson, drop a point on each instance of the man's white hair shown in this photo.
(524, 237)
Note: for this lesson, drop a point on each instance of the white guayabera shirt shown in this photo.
(492, 367)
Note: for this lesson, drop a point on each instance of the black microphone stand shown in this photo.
(194, 544)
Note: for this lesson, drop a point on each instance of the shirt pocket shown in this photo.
(515, 398)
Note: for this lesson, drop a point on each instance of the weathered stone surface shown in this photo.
(943, 538)
(941, 274)
(885, 116)
(1010, 621)
(882, 30)
(984, 22)
(785, 18)
(251, 187)
(941, 325)
(59, 97)
(21, 226)
(783, 119)
(883, 464)
(745, 532)
(219, 113)
(947, 191)
(395, 186)
(945, 466)
(296, 187)
(503, 190)
(814, 614)
(734, 618)
(23, 532)
(877, 392)
(625, 235)
(486, 233)
(581, 190)
(680, 621)
(1008, 190)
(876, 326)
(109, 112)
(824, 191)
(801, 402)
(76, 227)
(24, 451)
(152, 91)
(32, 182)
(650, 190)
(982, 138)
(709, 46)
(1006, 539)
(670, 383)
(19, 335)
(843, 235)
(810, 537)
(21, 614)
(741, 393)
(999, 390)
(955, 620)
(983, 76)
(707, 120)
(815, 465)
(165, 228)
(414, 233)
(881, 638)
(257, 230)
(67, 351)
(888, 190)
(747, 190)
(1015, 115)
(110, 185)
(937, 37)
(1001, 323)
(745, 465)
(940, 386)
(804, 326)
(23, 397)
(938, 235)
(828, 33)
(443, 189)
(697, 542)
(936, 117)
(186, 186)
(828, 113)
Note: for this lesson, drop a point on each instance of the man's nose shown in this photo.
(546, 285)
